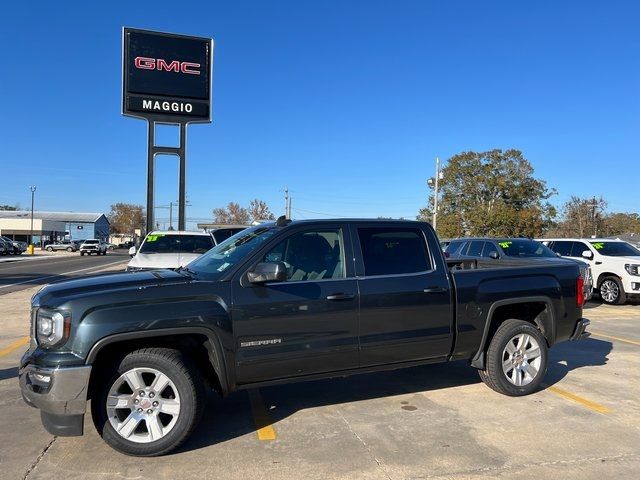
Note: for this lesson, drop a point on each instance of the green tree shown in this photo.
(491, 193)
(621, 223)
(9, 207)
(126, 217)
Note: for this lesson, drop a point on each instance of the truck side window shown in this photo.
(311, 255)
(392, 251)
(577, 249)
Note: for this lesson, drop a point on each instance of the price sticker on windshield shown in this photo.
(598, 245)
(505, 244)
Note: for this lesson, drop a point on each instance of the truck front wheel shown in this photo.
(516, 359)
(150, 404)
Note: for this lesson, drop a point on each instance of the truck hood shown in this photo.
(57, 294)
(161, 260)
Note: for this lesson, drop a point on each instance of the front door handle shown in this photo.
(435, 290)
(341, 296)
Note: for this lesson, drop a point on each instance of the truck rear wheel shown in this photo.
(151, 403)
(516, 359)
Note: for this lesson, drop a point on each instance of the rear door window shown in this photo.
(455, 247)
(393, 251)
(475, 249)
(563, 248)
(577, 249)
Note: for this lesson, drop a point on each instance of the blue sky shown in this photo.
(346, 102)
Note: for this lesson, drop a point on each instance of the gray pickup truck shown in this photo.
(281, 302)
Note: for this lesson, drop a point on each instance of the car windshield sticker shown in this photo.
(153, 238)
(598, 245)
(505, 244)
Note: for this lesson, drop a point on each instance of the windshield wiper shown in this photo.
(188, 270)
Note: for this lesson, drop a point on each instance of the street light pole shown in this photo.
(33, 191)
(434, 183)
(435, 197)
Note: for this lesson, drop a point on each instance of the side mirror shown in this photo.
(268, 272)
(493, 254)
(132, 251)
(588, 254)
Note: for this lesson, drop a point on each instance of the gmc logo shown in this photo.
(145, 63)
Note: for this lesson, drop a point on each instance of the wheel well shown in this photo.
(535, 313)
(605, 275)
(193, 346)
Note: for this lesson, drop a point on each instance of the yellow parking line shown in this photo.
(611, 337)
(261, 417)
(14, 346)
(596, 407)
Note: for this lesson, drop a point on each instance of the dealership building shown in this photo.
(53, 226)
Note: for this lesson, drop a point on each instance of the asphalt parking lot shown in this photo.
(436, 421)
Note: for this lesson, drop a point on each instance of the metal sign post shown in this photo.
(166, 80)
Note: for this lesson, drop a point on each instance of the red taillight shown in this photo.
(580, 291)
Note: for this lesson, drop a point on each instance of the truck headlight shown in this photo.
(632, 268)
(52, 327)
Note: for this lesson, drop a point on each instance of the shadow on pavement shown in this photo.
(8, 373)
(590, 352)
(231, 417)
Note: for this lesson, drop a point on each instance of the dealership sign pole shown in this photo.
(166, 80)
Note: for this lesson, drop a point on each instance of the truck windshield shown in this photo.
(615, 249)
(523, 248)
(225, 255)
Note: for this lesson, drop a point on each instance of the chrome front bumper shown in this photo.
(61, 391)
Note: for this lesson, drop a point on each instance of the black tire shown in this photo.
(69, 249)
(611, 291)
(49, 249)
(494, 376)
(82, 254)
(190, 390)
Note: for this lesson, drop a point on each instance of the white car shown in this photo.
(169, 249)
(615, 264)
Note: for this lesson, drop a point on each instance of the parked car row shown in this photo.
(615, 264)
(609, 267)
(11, 247)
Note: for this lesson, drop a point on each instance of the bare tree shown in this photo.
(259, 210)
(126, 217)
(233, 213)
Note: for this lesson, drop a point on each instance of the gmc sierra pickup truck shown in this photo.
(279, 302)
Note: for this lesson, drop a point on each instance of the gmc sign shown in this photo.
(166, 76)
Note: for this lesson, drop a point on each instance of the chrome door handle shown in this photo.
(341, 296)
(435, 290)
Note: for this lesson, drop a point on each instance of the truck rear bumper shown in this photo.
(581, 330)
(59, 393)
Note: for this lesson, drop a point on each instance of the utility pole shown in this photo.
(33, 192)
(594, 204)
(170, 215)
(286, 202)
(289, 209)
(433, 182)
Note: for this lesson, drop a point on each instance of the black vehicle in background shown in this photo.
(512, 251)
(282, 302)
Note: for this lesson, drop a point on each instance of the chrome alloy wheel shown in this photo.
(609, 291)
(143, 405)
(521, 359)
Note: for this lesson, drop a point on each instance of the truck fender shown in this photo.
(546, 324)
(213, 346)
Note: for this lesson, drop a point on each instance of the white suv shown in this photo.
(615, 264)
(169, 249)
